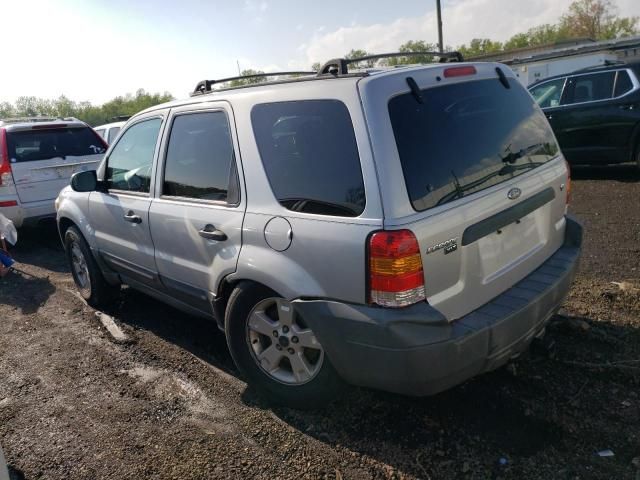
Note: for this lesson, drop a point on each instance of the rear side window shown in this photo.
(200, 159)
(589, 88)
(467, 137)
(309, 153)
(113, 133)
(42, 144)
(623, 83)
(100, 132)
(131, 160)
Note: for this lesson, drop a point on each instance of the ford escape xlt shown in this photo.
(402, 229)
(37, 158)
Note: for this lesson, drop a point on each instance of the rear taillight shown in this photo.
(568, 186)
(396, 278)
(5, 164)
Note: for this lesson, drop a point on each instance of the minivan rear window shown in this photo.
(467, 137)
(40, 144)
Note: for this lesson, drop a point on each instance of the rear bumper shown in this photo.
(416, 351)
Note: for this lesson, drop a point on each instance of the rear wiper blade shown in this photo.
(513, 157)
(505, 170)
(415, 90)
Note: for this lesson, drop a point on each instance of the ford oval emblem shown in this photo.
(514, 193)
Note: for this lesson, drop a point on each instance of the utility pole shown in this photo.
(440, 45)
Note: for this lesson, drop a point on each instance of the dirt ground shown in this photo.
(74, 404)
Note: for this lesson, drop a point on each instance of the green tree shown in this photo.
(6, 110)
(597, 19)
(316, 67)
(412, 46)
(93, 115)
(357, 53)
(248, 81)
(480, 46)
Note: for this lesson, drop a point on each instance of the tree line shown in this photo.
(129, 104)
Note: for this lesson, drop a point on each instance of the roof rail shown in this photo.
(35, 119)
(205, 85)
(120, 118)
(607, 63)
(340, 66)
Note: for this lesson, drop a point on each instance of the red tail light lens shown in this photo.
(396, 277)
(5, 164)
(459, 71)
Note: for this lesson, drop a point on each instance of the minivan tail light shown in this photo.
(459, 71)
(5, 164)
(396, 277)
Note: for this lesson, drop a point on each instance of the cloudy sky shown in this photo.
(95, 50)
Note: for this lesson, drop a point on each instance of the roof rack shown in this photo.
(120, 118)
(340, 66)
(35, 119)
(607, 63)
(205, 85)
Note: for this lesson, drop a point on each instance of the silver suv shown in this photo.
(403, 229)
(37, 158)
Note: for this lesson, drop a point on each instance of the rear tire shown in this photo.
(290, 369)
(86, 274)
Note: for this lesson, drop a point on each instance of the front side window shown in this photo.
(200, 160)
(467, 137)
(548, 94)
(589, 88)
(131, 160)
(309, 152)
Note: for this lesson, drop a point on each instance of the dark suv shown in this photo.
(595, 113)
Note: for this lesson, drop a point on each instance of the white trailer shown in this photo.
(536, 70)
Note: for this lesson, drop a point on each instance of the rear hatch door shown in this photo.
(43, 158)
(471, 166)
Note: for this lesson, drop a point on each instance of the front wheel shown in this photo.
(85, 271)
(277, 351)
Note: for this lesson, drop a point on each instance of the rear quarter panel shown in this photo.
(327, 255)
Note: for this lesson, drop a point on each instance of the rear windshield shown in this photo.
(31, 145)
(467, 137)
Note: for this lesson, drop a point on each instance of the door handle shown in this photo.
(626, 107)
(212, 233)
(132, 217)
(549, 116)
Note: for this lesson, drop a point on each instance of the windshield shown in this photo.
(467, 137)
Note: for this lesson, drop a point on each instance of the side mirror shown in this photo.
(84, 181)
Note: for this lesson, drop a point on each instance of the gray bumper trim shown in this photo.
(416, 351)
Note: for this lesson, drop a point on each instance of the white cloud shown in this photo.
(256, 9)
(462, 21)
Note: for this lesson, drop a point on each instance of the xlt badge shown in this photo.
(448, 246)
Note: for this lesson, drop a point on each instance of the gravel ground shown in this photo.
(168, 402)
